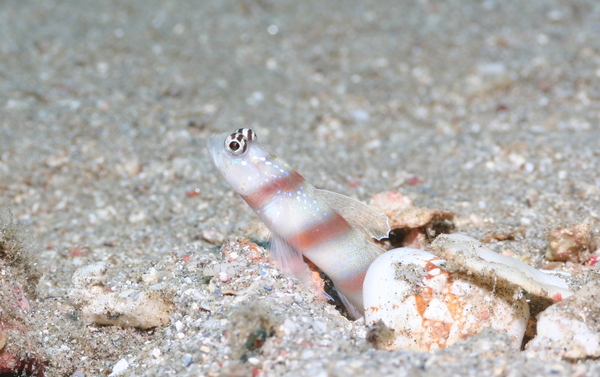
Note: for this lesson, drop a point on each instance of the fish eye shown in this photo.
(236, 144)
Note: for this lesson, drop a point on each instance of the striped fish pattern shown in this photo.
(328, 229)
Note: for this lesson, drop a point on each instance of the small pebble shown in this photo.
(78, 373)
(320, 326)
(262, 271)
(525, 221)
(289, 326)
(529, 167)
(268, 288)
(223, 277)
(120, 367)
(213, 237)
(360, 115)
(187, 360)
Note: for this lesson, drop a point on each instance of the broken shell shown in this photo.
(140, 310)
(403, 214)
(428, 307)
(143, 309)
(572, 243)
(471, 255)
(417, 225)
(570, 329)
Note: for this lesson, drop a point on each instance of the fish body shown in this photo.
(329, 229)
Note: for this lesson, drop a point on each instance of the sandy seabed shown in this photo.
(488, 109)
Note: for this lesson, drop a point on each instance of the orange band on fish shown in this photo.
(287, 184)
(330, 228)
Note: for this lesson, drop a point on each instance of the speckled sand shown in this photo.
(491, 107)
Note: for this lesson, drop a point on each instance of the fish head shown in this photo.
(244, 163)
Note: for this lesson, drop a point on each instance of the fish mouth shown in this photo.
(215, 147)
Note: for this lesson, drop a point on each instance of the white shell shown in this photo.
(429, 307)
(569, 329)
(471, 255)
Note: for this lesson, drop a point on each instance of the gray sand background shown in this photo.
(106, 106)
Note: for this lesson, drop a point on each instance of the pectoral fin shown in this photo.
(359, 215)
(289, 260)
(353, 310)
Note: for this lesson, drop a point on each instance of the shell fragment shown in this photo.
(473, 256)
(428, 307)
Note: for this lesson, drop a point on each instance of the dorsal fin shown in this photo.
(359, 215)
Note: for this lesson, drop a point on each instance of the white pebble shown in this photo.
(136, 217)
(308, 354)
(289, 327)
(93, 274)
(119, 368)
(360, 115)
(529, 167)
(187, 360)
(320, 326)
(525, 221)
(272, 29)
(212, 236)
